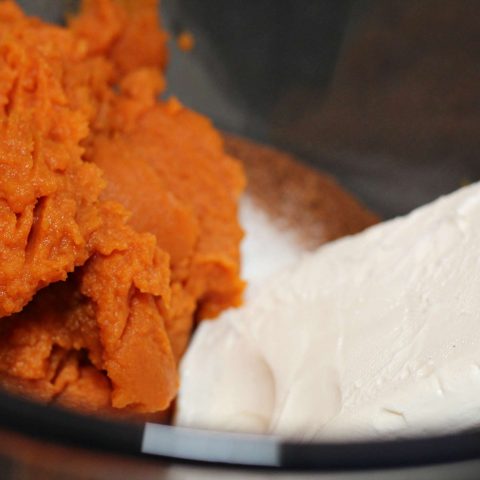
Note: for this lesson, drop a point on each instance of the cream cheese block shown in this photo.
(372, 335)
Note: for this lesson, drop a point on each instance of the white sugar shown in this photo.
(266, 247)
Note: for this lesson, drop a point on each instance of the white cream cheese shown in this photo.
(377, 334)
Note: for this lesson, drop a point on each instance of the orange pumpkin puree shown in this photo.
(118, 211)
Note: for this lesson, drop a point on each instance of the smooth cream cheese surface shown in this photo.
(376, 334)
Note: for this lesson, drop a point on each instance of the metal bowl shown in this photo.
(384, 95)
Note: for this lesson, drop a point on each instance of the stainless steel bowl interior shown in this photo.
(384, 95)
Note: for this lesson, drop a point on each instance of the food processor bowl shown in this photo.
(382, 94)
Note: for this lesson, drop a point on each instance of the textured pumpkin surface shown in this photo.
(115, 288)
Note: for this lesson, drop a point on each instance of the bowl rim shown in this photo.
(203, 447)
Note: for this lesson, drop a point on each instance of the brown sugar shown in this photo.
(299, 198)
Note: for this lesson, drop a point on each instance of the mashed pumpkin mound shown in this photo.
(118, 211)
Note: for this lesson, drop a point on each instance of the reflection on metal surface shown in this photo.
(177, 442)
